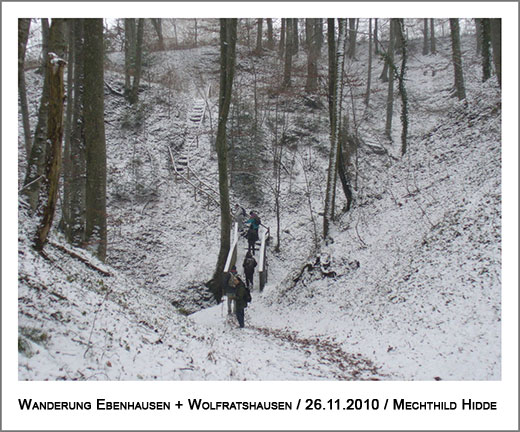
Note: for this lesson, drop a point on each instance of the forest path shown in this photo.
(266, 353)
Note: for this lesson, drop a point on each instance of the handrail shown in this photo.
(232, 254)
(262, 265)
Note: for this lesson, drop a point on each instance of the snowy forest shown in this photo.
(370, 150)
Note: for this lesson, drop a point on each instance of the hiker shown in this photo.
(252, 237)
(254, 221)
(243, 297)
(230, 288)
(249, 265)
(238, 215)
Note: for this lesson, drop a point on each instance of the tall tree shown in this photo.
(399, 28)
(24, 24)
(457, 58)
(130, 45)
(48, 193)
(96, 169)
(426, 45)
(369, 77)
(281, 46)
(335, 128)
(311, 25)
(295, 34)
(331, 42)
(478, 34)
(391, 75)
(289, 40)
(270, 39)
(496, 42)
(228, 36)
(36, 164)
(134, 92)
(74, 164)
(486, 49)
(352, 36)
(433, 48)
(376, 40)
(259, 31)
(157, 25)
(45, 44)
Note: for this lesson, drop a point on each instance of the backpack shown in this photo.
(257, 221)
(231, 288)
(249, 264)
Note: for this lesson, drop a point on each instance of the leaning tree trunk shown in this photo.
(334, 129)
(228, 36)
(93, 109)
(496, 42)
(457, 58)
(36, 163)
(48, 195)
(24, 25)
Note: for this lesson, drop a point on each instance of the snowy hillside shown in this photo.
(409, 289)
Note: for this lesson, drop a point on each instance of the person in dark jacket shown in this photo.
(243, 297)
(252, 237)
(249, 265)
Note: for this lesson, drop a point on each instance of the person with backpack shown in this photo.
(230, 289)
(249, 265)
(238, 216)
(243, 297)
(252, 237)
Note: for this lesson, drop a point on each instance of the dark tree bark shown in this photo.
(369, 77)
(259, 31)
(496, 42)
(352, 36)
(426, 45)
(433, 47)
(130, 38)
(331, 41)
(228, 36)
(157, 25)
(74, 164)
(295, 40)
(289, 39)
(270, 39)
(134, 93)
(486, 49)
(48, 193)
(281, 46)
(312, 57)
(328, 212)
(24, 24)
(96, 222)
(457, 58)
(36, 163)
(399, 28)
(478, 34)
(391, 75)
(376, 40)
(45, 45)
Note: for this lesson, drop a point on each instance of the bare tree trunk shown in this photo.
(130, 31)
(49, 191)
(96, 222)
(259, 30)
(376, 40)
(228, 35)
(478, 34)
(391, 75)
(295, 40)
(45, 45)
(289, 39)
(36, 163)
(433, 48)
(369, 78)
(24, 24)
(134, 94)
(399, 28)
(457, 58)
(157, 25)
(496, 42)
(334, 130)
(270, 40)
(426, 46)
(281, 47)
(486, 49)
(312, 57)
(74, 174)
(332, 65)
(352, 38)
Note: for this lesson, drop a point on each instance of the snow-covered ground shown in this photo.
(409, 289)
